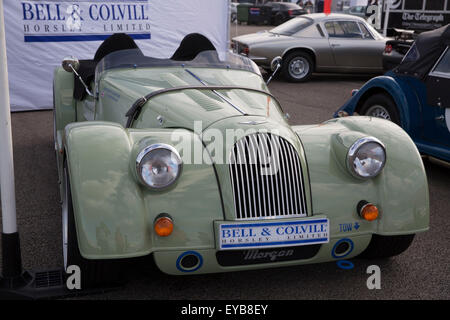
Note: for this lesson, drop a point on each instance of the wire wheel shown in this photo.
(379, 112)
(381, 106)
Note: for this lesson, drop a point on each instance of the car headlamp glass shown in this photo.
(366, 158)
(158, 166)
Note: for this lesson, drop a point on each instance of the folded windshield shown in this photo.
(134, 58)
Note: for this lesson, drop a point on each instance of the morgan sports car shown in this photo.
(415, 95)
(190, 160)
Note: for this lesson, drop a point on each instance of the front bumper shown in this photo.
(319, 246)
(170, 262)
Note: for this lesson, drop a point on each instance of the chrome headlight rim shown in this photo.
(354, 150)
(144, 152)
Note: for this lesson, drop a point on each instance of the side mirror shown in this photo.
(275, 65)
(71, 64)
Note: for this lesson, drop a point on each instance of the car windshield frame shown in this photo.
(135, 59)
(438, 73)
(282, 29)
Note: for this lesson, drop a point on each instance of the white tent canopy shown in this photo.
(39, 34)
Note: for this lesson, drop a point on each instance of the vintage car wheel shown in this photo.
(387, 246)
(94, 273)
(297, 67)
(381, 106)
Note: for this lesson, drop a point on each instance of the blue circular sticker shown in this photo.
(345, 264)
(350, 242)
(198, 266)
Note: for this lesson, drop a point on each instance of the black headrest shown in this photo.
(191, 46)
(116, 42)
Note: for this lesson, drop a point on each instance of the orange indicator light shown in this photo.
(163, 226)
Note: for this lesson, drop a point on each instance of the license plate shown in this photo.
(273, 234)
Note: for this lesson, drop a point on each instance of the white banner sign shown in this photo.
(39, 34)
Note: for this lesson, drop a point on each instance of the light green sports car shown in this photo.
(191, 160)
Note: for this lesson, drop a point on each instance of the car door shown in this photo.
(353, 46)
(436, 115)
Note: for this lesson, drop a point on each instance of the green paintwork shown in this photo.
(114, 214)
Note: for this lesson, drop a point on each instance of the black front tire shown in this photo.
(94, 273)
(381, 247)
(304, 70)
(382, 106)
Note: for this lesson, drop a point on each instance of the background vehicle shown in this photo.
(406, 20)
(132, 187)
(283, 11)
(359, 11)
(317, 43)
(397, 48)
(415, 95)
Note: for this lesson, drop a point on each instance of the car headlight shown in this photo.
(366, 158)
(158, 166)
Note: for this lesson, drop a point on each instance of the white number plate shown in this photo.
(273, 234)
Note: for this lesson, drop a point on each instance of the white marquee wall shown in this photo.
(39, 34)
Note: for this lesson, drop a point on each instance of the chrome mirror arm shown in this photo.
(82, 81)
(273, 73)
(275, 66)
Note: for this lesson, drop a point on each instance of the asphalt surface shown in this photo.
(422, 272)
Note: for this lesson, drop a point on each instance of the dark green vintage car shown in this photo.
(191, 160)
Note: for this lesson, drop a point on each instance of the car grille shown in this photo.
(267, 178)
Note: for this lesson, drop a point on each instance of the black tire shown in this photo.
(387, 246)
(382, 106)
(94, 273)
(305, 67)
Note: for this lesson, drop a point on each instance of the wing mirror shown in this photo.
(275, 66)
(72, 64)
(276, 63)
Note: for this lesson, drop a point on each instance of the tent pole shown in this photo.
(11, 256)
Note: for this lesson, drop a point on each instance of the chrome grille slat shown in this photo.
(264, 189)
(267, 176)
(285, 179)
(295, 189)
(241, 161)
(256, 166)
(299, 178)
(251, 167)
(263, 182)
(264, 177)
(288, 175)
(233, 174)
(274, 175)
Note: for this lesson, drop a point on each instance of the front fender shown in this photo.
(400, 191)
(114, 214)
(389, 85)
